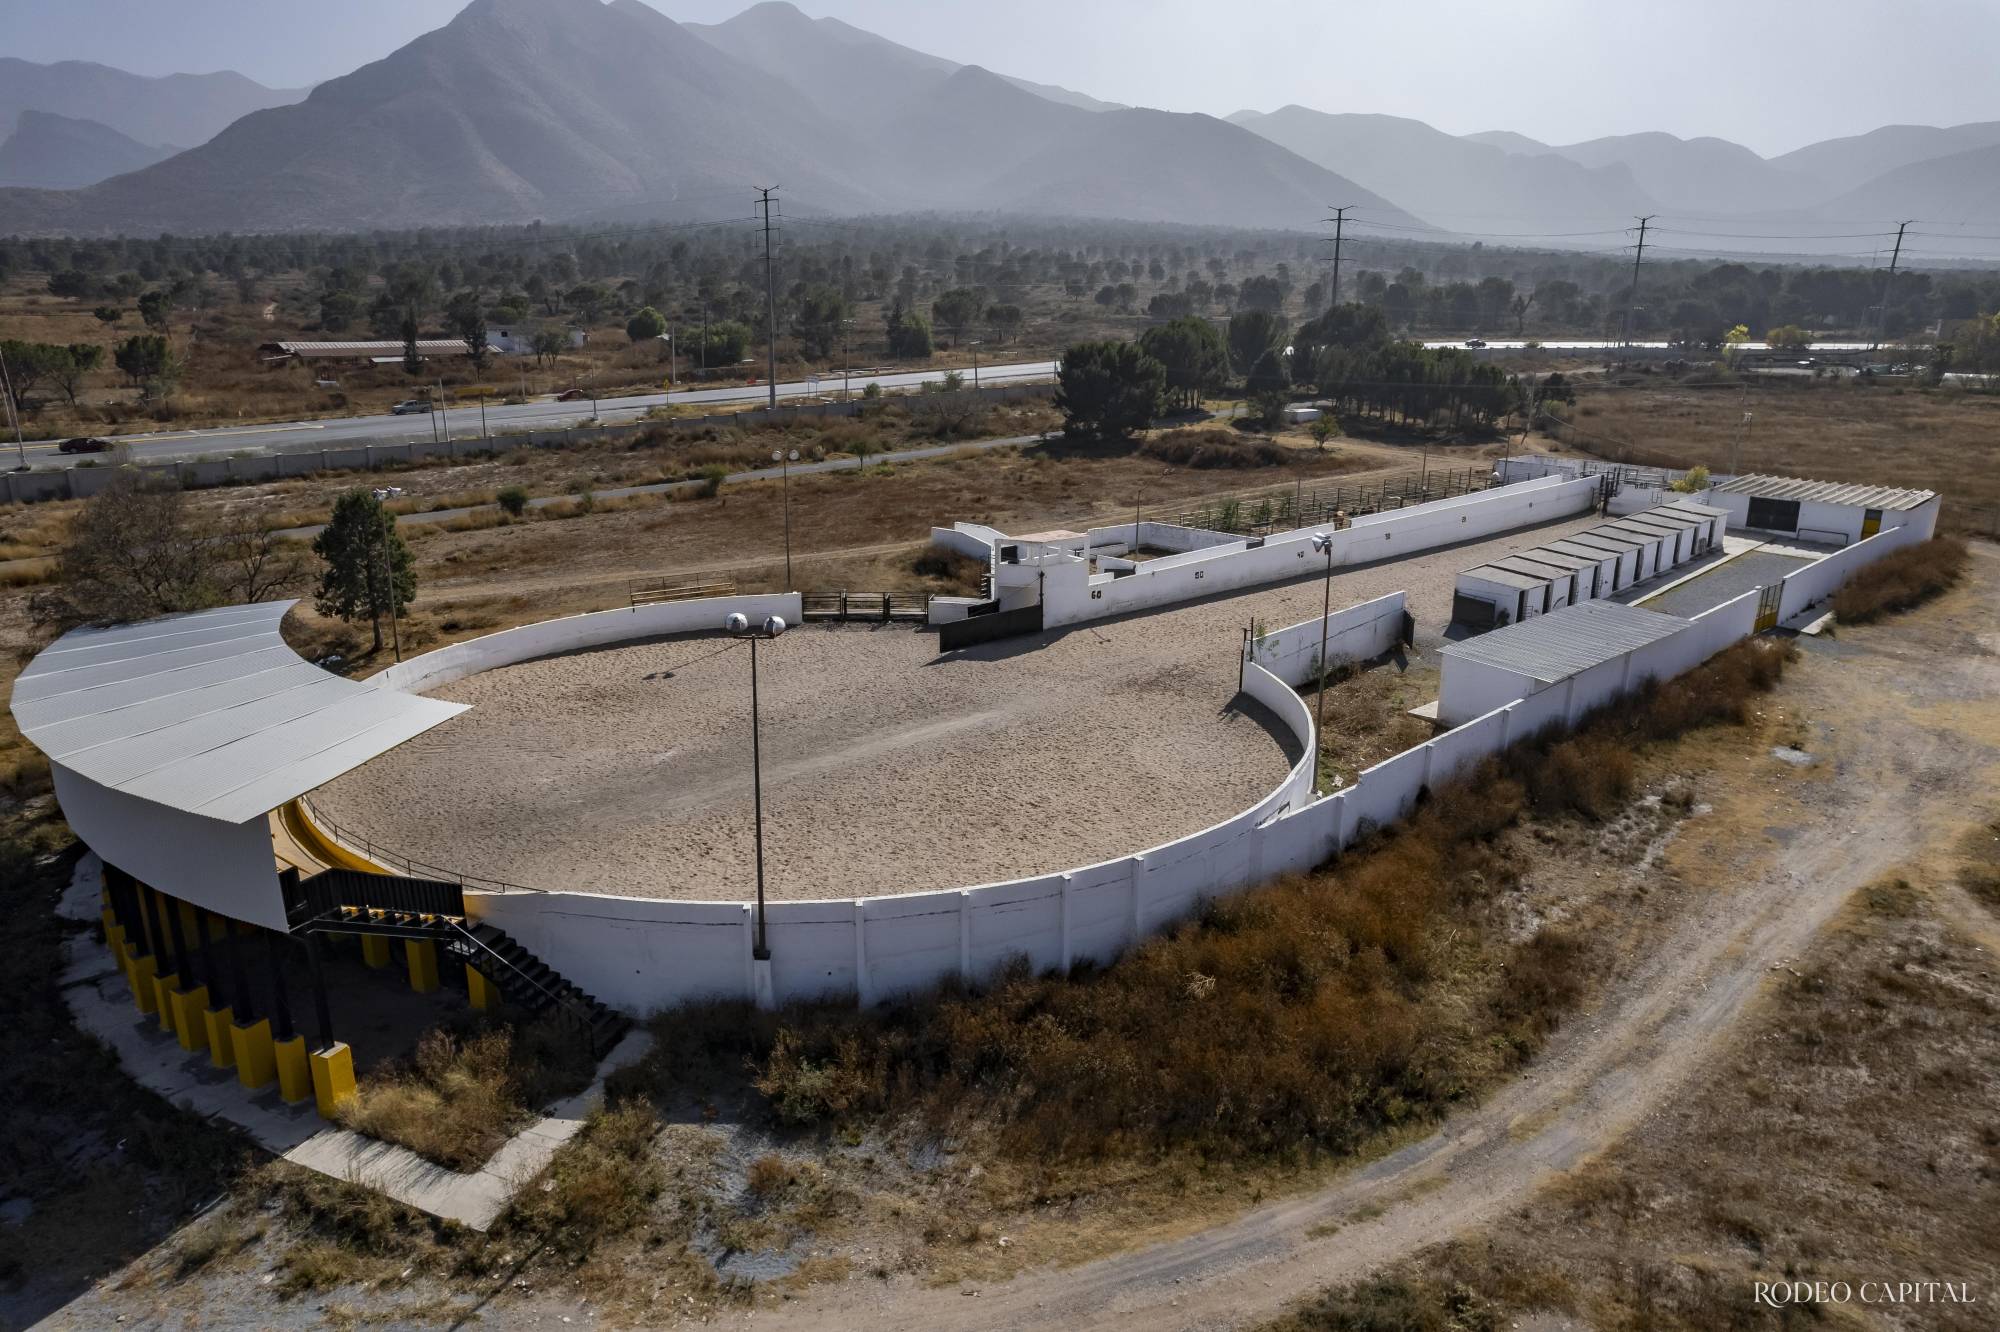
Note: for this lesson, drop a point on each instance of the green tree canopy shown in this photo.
(957, 310)
(146, 358)
(646, 325)
(1193, 354)
(1107, 391)
(1251, 334)
(368, 569)
(909, 333)
(821, 312)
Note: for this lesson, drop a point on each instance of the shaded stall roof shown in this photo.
(1504, 577)
(1594, 554)
(208, 713)
(1556, 646)
(1826, 492)
(1692, 509)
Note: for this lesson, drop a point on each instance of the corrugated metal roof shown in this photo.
(1826, 492)
(208, 713)
(1504, 577)
(1698, 510)
(384, 348)
(1556, 646)
(1554, 557)
(1595, 554)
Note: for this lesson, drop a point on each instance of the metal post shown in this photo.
(183, 960)
(444, 421)
(760, 948)
(389, 586)
(149, 900)
(211, 958)
(846, 361)
(770, 300)
(484, 434)
(786, 486)
(239, 975)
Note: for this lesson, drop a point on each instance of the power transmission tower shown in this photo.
(1632, 297)
(1882, 318)
(770, 294)
(1339, 220)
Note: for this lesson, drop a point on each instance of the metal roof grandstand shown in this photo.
(1826, 492)
(1556, 646)
(209, 713)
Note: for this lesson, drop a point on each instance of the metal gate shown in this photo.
(1767, 606)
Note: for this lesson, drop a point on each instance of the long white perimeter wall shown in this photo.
(1073, 596)
(1808, 587)
(643, 954)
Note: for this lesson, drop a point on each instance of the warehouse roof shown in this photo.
(389, 349)
(1556, 646)
(1826, 492)
(209, 713)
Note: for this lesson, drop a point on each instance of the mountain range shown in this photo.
(571, 110)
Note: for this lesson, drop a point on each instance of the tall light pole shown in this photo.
(846, 360)
(738, 626)
(975, 363)
(1322, 543)
(1736, 445)
(443, 420)
(785, 461)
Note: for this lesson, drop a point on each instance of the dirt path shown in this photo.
(1895, 784)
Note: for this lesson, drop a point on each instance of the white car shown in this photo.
(414, 407)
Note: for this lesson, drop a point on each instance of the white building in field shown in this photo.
(519, 339)
(1830, 512)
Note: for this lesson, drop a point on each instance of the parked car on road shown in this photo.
(85, 445)
(1475, 342)
(414, 407)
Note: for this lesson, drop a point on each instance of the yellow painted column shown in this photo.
(215, 1025)
(375, 949)
(189, 1005)
(144, 994)
(423, 958)
(163, 996)
(295, 1080)
(256, 1055)
(483, 993)
(332, 1078)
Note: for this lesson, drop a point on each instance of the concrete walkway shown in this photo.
(102, 1007)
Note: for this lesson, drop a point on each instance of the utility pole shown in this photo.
(770, 296)
(1339, 220)
(1882, 319)
(1632, 297)
(13, 418)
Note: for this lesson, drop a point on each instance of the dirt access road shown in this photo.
(1908, 749)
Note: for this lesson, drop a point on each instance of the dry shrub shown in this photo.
(953, 570)
(1900, 580)
(460, 1096)
(768, 1176)
(1391, 1304)
(1212, 448)
(599, 1184)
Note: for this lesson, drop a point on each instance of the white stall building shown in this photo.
(1830, 512)
(1605, 559)
(1586, 650)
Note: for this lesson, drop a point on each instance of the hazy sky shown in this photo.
(1774, 74)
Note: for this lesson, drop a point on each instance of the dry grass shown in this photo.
(459, 1097)
(1306, 1016)
(601, 1184)
(1832, 430)
(1900, 580)
(1213, 447)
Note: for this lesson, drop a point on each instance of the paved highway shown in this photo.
(1613, 344)
(463, 421)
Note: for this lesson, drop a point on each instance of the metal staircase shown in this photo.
(341, 901)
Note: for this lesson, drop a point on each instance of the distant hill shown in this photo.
(1846, 164)
(516, 110)
(1957, 196)
(1509, 142)
(1701, 176)
(57, 152)
(850, 74)
(988, 144)
(186, 109)
(1464, 186)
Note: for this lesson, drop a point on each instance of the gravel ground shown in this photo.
(886, 768)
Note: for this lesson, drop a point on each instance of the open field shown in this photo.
(625, 770)
(1928, 439)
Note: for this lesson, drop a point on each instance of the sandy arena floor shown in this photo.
(886, 768)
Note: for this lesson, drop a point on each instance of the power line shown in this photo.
(1632, 297)
(1339, 220)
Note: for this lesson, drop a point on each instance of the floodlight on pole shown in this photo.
(785, 461)
(737, 625)
(1322, 544)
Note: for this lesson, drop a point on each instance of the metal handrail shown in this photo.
(412, 868)
(557, 997)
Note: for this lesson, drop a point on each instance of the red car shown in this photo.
(84, 445)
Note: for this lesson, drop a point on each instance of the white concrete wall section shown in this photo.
(226, 867)
(1159, 536)
(596, 629)
(1359, 633)
(967, 539)
(1205, 572)
(1817, 582)
(1472, 688)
